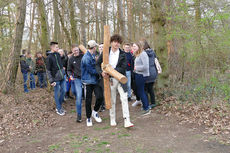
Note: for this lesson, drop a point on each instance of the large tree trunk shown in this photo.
(57, 33)
(44, 26)
(121, 20)
(159, 38)
(130, 19)
(31, 27)
(12, 67)
(97, 23)
(73, 22)
(104, 17)
(83, 27)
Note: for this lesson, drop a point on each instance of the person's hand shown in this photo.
(53, 84)
(134, 69)
(105, 75)
(71, 77)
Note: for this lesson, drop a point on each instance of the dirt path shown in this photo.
(154, 133)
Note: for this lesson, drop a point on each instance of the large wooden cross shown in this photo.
(106, 67)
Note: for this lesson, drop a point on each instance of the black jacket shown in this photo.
(74, 66)
(55, 71)
(24, 66)
(64, 60)
(121, 65)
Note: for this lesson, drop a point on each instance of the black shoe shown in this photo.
(129, 99)
(78, 119)
(102, 109)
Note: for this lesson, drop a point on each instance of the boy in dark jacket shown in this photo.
(74, 72)
(24, 69)
(55, 73)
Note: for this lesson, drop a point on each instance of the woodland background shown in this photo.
(191, 39)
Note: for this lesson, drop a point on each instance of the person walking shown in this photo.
(90, 78)
(56, 73)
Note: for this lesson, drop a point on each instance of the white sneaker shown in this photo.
(128, 123)
(113, 123)
(137, 102)
(89, 122)
(96, 116)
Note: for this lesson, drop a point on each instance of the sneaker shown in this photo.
(137, 102)
(78, 118)
(60, 112)
(102, 109)
(61, 109)
(96, 116)
(89, 122)
(145, 112)
(152, 106)
(127, 123)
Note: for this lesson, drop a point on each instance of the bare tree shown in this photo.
(12, 67)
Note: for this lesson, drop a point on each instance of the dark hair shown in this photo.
(145, 44)
(116, 38)
(53, 43)
(70, 52)
(23, 51)
(127, 44)
(101, 44)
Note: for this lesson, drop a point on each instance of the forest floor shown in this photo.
(30, 124)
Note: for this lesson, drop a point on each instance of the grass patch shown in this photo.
(54, 147)
(102, 143)
(124, 135)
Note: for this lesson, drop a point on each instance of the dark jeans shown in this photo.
(133, 86)
(90, 88)
(42, 79)
(149, 90)
(59, 92)
(140, 86)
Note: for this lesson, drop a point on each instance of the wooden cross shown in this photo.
(107, 68)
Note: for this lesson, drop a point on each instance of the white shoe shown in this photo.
(137, 102)
(89, 122)
(96, 116)
(113, 123)
(127, 123)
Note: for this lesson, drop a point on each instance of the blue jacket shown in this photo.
(152, 67)
(89, 74)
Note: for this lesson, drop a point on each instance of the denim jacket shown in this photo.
(89, 74)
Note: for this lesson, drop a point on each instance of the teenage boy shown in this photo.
(90, 80)
(24, 69)
(74, 72)
(129, 58)
(117, 59)
(56, 73)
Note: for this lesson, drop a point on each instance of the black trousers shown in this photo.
(90, 88)
(149, 91)
(133, 86)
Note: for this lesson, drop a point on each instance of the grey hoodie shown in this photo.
(141, 64)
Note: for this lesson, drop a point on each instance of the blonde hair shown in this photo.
(140, 49)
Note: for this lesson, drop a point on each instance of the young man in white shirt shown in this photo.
(117, 59)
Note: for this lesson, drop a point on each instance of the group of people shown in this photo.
(83, 72)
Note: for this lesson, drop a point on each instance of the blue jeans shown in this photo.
(25, 78)
(128, 75)
(42, 79)
(73, 90)
(78, 94)
(59, 93)
(68, 84)
(140, 84)
(32, 81)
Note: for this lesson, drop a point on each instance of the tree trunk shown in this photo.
(31, 27)
(12, 67)
(104, 17)
(130, 19)
(57, 34)
(121, 20)
(44, 26)
(73, 22)
(97, 23)
(82, 12)
(159, 38)
(198, 24)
